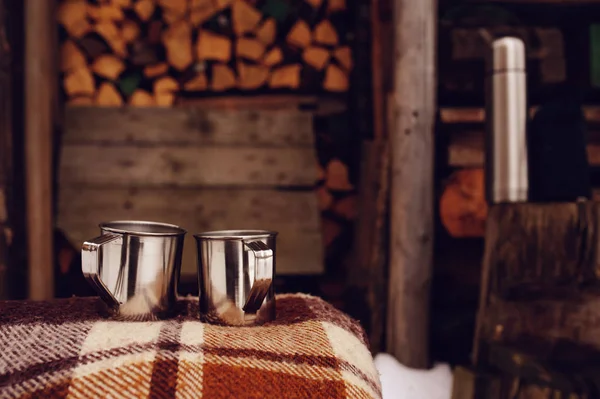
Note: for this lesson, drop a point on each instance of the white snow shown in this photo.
(401, 382)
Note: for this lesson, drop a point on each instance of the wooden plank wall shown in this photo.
(203, 169)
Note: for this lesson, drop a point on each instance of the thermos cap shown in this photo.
(508, 54)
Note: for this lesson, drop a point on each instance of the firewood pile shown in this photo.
(153, 52)
(337, 199)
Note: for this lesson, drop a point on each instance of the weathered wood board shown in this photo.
(189, 126)
(183, 166)
(201, 169)
(291, 213)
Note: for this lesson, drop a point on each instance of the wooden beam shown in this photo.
(5, 149)
(452, 115)
(465, 150)
(40, 75)
(368, 275)
(413, 109)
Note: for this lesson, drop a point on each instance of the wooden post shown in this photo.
(5, 148)
(40, 76)
(411, 142)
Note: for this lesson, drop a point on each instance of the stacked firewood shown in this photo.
(152, 52)
(337, 199)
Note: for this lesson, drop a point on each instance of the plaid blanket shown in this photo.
(65, 349)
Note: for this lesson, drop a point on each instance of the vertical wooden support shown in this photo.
(40, 76)
(411, 207)
(5, 147)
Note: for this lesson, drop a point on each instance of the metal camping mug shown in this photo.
(134, 267)
(235, 275)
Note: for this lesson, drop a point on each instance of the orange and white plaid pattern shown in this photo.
(65, 349)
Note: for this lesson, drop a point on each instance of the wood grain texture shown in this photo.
(204, 169)
(540, 256)
(292, 214)
(411, 206)
(368, 272)
(6, 149)
(185, 166)
(40, 74)
(189, 126)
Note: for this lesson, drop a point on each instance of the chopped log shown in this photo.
(539, 275)
(166, 85)
(122, 3)
(108, 95)
(223, 78)
(249, 48)
(211, 46)
(324, 198)
(273, 57)
(109, 32)
(177, 40)
(335, 79)
(171, 16)
(463, 208)
(331, 230)
(93, 46)
(144, 9)
(153, 71)
(201, 11)
(130, 31)
(198, 83)
(164, 99)
(325, 33)
(286, 77)
(343, 55)
(337, 176)
(108, 66)
(221, 4)
(71, 14)
(320, 173)
(71, 57)
(102, 12)
(174, 6)
(80, 101)
(267, 31)
(300, 35)
(316, 57)
(315, 3)
(141, 98)
(336, 5)
(346, 207)
(251, 77)
(244, 17)
(79, 82)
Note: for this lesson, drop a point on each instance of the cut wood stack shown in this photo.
(337, 199)
(151, 52)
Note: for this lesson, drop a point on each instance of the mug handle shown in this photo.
(91, 258)
(263, 275)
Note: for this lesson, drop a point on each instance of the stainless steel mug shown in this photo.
(235, 275)
(134, 267)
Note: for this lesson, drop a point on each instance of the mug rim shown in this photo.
(118, 227)
(240, 234)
